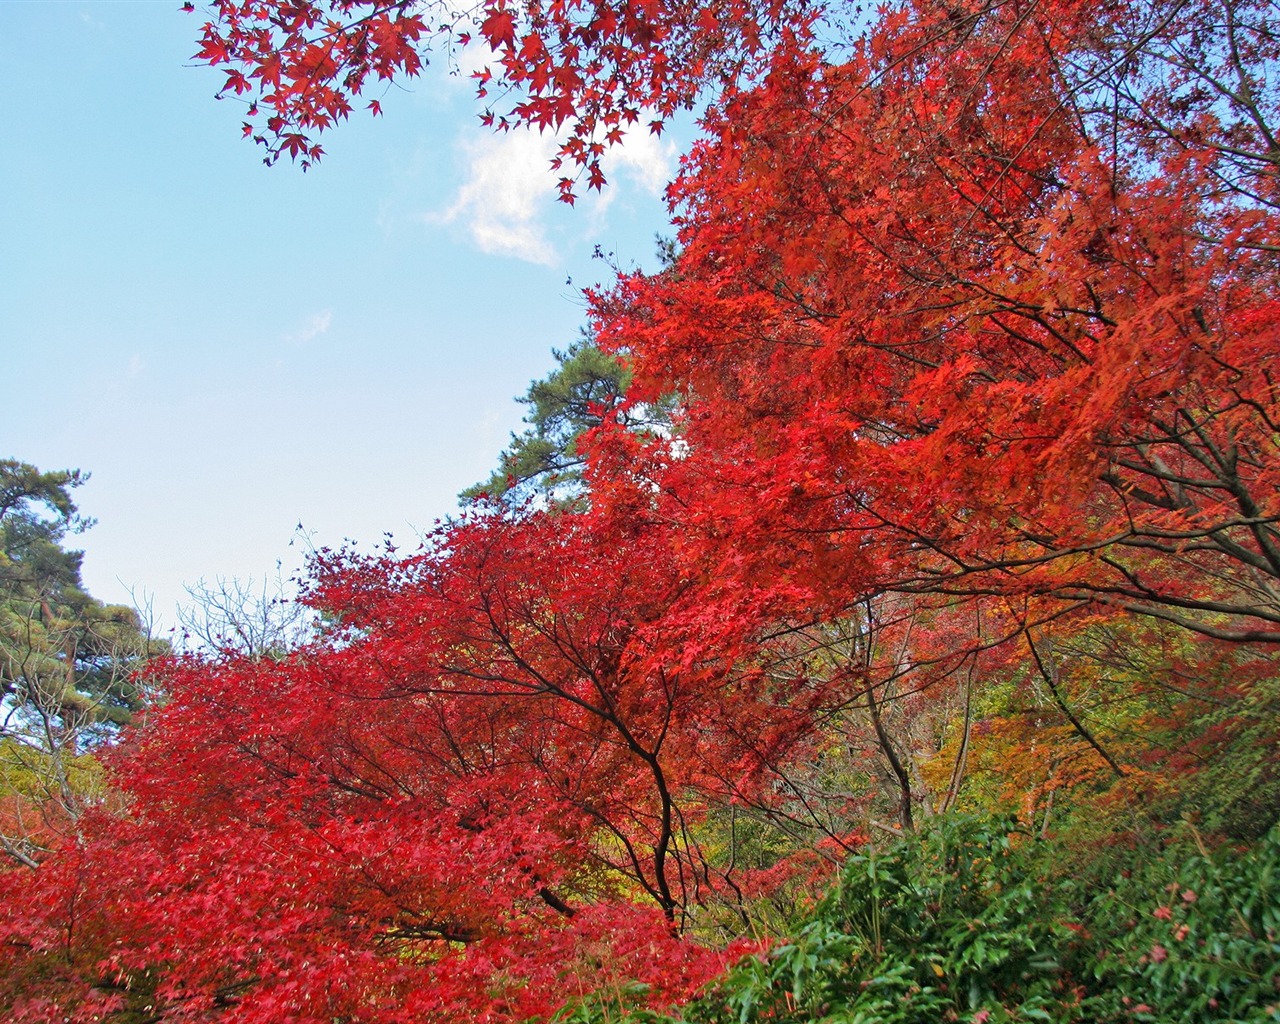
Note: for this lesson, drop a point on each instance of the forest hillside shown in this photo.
(877, 621)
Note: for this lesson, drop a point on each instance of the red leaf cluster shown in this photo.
(588, 65)
(950, 327)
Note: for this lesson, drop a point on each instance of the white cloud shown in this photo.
(643, 157)
(508, 188)
(475, 57)
(315, 326)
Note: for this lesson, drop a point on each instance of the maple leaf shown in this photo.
(499, 28)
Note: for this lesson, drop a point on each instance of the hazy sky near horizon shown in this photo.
(231, 350)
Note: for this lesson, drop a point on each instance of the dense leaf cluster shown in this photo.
(975, 920)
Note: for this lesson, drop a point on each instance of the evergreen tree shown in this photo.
(68, 662)
(546, 460)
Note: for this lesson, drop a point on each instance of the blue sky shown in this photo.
(232, 349)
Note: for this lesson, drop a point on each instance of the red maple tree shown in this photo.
(478, 798)
(987, 309)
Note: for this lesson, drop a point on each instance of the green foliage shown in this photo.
(1233, 788)
(1189, 937)
(545, 459)
(767, 874)
(941, 928)
(37, 512)
(1193, 723)
(973, 920)
(613, 1006)
(25, 769)
(66, 659)
(69, 664)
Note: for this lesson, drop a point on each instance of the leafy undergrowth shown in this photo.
(974, 920)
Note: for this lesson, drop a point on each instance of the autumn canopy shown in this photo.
(966, 363)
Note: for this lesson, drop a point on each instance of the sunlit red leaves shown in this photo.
(586, 64)
(935, 330)
(499, 30)
(306, 62)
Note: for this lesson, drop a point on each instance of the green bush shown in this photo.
(945, 927)
(975, 921)
(1191, 938)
